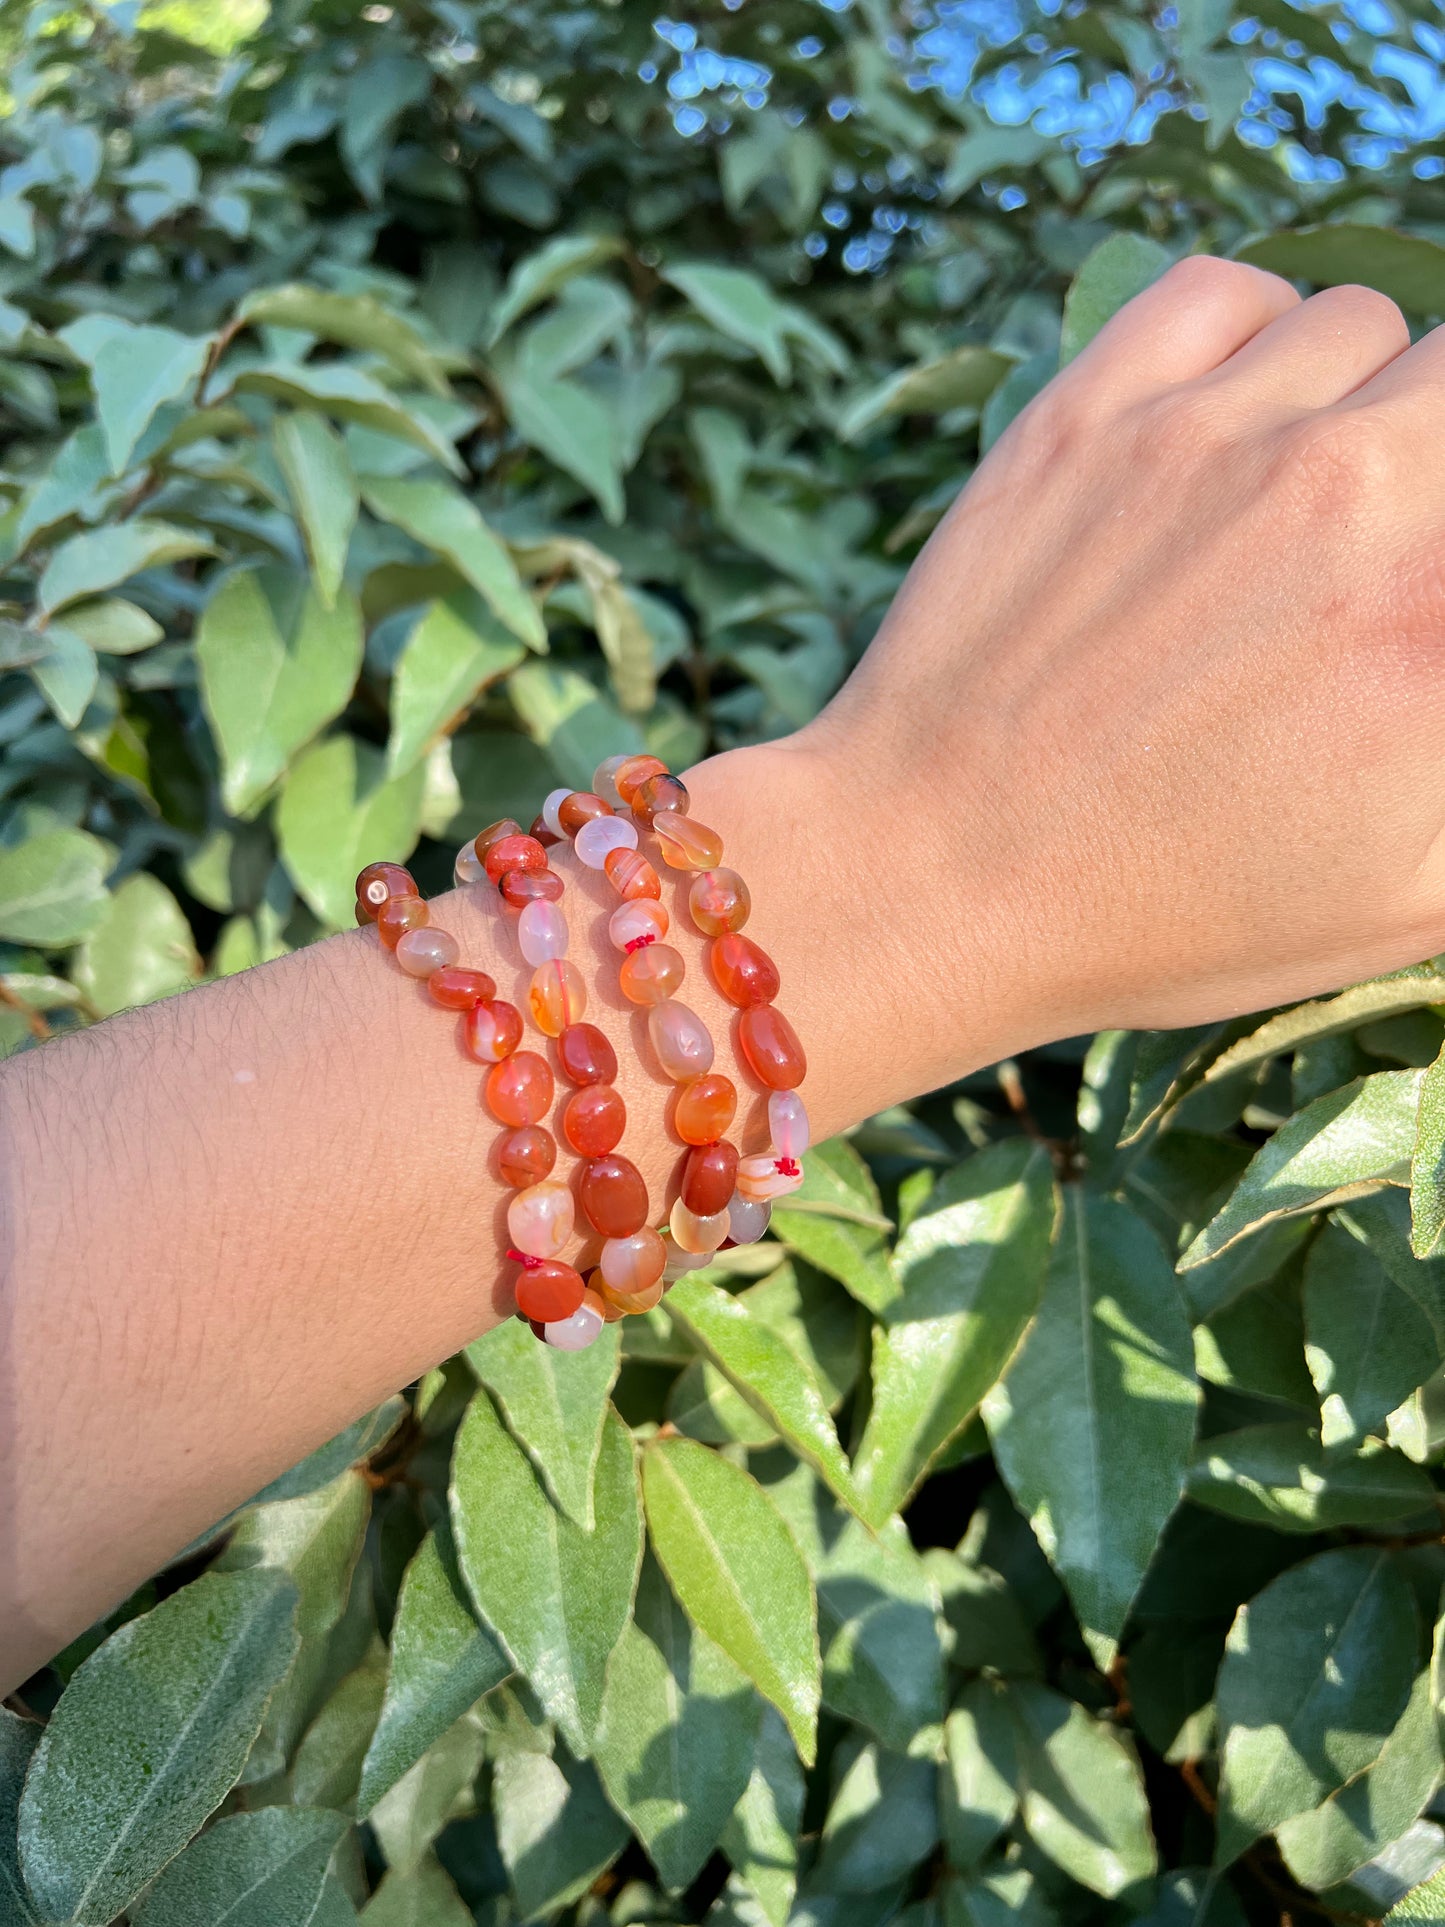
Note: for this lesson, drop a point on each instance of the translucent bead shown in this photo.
(549, 1290)
(420, 952)
(557, 996)
(761, 1178)
(719, 902)
(614, 1306)
(526, 1156)
(550, 808)
(455, 987)
(680, 1038)
(613, 1196)
(581, 807)
(586, 1056)
(634, 773)
(632, 876)
(398, 915)
(636, 921)
(541, 931)
(748, 1219)
(788, 1125)
(632, 1264)
(593, 1120)
(468, 866)
(649, 975)
(540, 1219)
(521, 887)
(692, 1233)
(659, 793)
(705, 1107)
(596, 840)
(543, 835)
(744, 973)
(680, 1262)
(771, 1047)
(513, 853)
(494, 832)
(492, 1031)
(708, 1178)
(519, 1089)
(603, 778)
(622, 1304)
(378, 883)
(576, 1333)
(686, 845)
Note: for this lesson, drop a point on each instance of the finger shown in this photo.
(1316, 354)
(1193, 318)
(1414, 379)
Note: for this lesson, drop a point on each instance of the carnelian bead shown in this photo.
(631, 875)
(557, 996)
(526, 1156)
(613, 1196)
(455, 987)
(593, 1120)
(611, 1302)
(493, 833)
(623, 1304)
(642, 919)
(708, 1178)
(634, 773)
(549, 1290)
(630, 1265)
(743, 973)
(771, 1046)
(580, 807)
(685, 844)
(422, 953)
(544, 834)
(705, 1108)
(719, 901)
(576, 1333)
(397, 916)
(378, 883)
(492, 1031)
(521, 887)
(586, 1056)
(519, 1089)
(660, 793)
(650, 974)
(513, 853)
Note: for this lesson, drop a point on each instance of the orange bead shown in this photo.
(519, 1089)
(557, 996)
(651, 973)
(613, 1196)
(743, 973)
(771, 1047)
(628, 1265)
(549, 1290)
(398, 915)
(610, 1301)
(634, 773)
(493, 833)
(685, 844)
(585, 1055)
(492, 1030)
(543, 835)
(580, 807)
(623, 1304)
(709, 1174)
(513, 853)
(455, 987)
(526, 1156)
(521, 887)
(631, 875)
(660, 793)
(719, 902)
(378, 884)
(593, 1120)
(705, 1107)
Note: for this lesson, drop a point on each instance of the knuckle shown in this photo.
(1183, 423)
(1210, 277)
(1352, 304)
(1337, 464)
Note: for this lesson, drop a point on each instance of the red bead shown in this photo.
(519, 1089)
(580, 807)
(634, 773)
(455, 987)
(631, 875)
(660, 793)
(397, 916)
(378, 883)
(521, 887)
(705, 1108)
(484, 839)
(613, 1196)
(771, 1047)
(544, 836)
(549, 1290)
(586, 1056)
(513, 853)
(492, 1030)
(527, 1155)
(709, 1175)
(743, 973)
(593, 1120)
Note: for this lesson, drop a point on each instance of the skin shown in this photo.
(1148, 738)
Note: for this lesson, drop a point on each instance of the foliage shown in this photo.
(401, 414)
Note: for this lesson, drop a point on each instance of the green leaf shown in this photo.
(352, 320)
(1280, 1475)
(66, 674)
(1412, 989)
(317, 1539)
(738, 1573)
(142, 950)
(763, 1367)
(423, 1897)
(457, 649)
(263, 1869)
(543, 273)
(972, 1267)
(1093, 1423)
(1407, 267)
(835, 1220)
(1013, 1897)
(555, 1405)
(148, 1738)
(1367, 1342)
(438, 1787)
(132, 371)
(113, 626)
(338, 811)
(556, 1596)
(442, 519)
(100, 558)
(1427, 1164)
(52, 888)
(761, 1838)
(963, 378)
(1340, 1147)
(1120, 267)
(569, 425)
(985, 1624)
(1317, 1669)
(327, 1768)
(676, 1739)
(742, 305)
(555, 1828)
(337, 389)
(276, 665)
(1082, 1797)
(571, 718)
(978, 1785)
(18, 1741)
(323, 490)
(883, 1820)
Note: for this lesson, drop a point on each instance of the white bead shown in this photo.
(542, 931)
(680, 1262)
(420, 952)
(554, 802)
(748, 1219)
(759, 1177)
(597, 839)
(469, 867)
(540, 1218)
(788, 1124)
(693, 1233)
(576, 1333)
(602, 778)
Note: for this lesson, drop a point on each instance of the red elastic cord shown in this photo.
(789, 1167)
(525, 1259)
(641, 943)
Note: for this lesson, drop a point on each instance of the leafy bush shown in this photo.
(401, 415)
